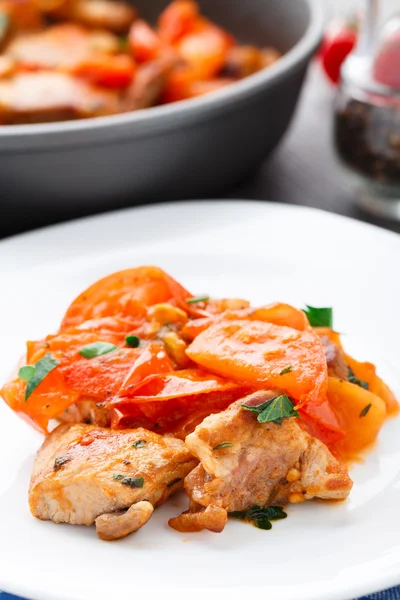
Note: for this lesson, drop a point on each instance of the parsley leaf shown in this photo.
(260, 517)
(138, 444)
(27, 373)
(223, 445)
(274, 410)
(319, 317)
(43, 367)
(365, 410)
(136, 482)
(133, 341)
(96, 349)
(197, 299)
(353, 379)
(118, 476)
(288, 369)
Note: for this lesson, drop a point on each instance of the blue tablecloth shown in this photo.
(392, 594)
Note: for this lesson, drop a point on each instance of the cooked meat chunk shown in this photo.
(83, 471)
(147, 86)
(61, 46)
(116, 16)
(212, 518)
(246, 463)
(45, 97)
(335, 359)
(115, 526)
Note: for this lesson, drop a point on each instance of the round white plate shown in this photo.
(260, 251)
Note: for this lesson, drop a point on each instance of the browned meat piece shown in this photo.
(115, 526)
(242, 61)
(147, 86)
(116, 16)
(61, 46)
(266, 464)
(83, 471)
(46, 97)
(335, 359)
(212, 518)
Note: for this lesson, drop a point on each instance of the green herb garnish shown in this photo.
(133, 341)
(118, 476)
(365, 410)
(97, 349)
(138, 444)
(174, 481)
(288, 369)
(353, 379)
(27, 373)
(60, 461)
(274, 410)
(136, 482)
(41, 369)
(260, 517)
(319, 317)
(223, 445)
(198, 299)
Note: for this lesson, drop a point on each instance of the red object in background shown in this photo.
(386, 68)
(339, 41)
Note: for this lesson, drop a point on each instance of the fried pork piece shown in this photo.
(116, 16)
(83, 471)
(46, 97)
(266, 464)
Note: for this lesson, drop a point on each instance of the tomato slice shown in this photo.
(144, 42)
(177, 20)
(169, 402)
(127, 294)
(265, 354)
(276, 313)
(109, 71)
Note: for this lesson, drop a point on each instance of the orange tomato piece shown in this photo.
(276, 313)
(177, 20)
(144, 42)
(367, 372)
(205, 49)
(109, 71)
(360, 413)
(126, 294)
(258, 352)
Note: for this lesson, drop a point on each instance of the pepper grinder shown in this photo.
(367, 114)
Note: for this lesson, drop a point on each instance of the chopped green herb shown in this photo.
(133, 341)
(198, 299)
(118, 476)
(353, 379)
(174, 481)
(27, 373)
(319, 317)
(138, 444)
(43, 367)
(288, 369)
(96, 349)
(60, 461)
(263, 524)
(365, 410)
(223, 445)
(274, 410)
(260, 517)
(136, 482)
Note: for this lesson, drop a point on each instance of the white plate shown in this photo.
(261, 251)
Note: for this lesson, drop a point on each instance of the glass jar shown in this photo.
(367, 139)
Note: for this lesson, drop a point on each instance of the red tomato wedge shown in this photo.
(109, 71)
(127, 294)
(144, 42)
(168, 402)
(259, 353)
